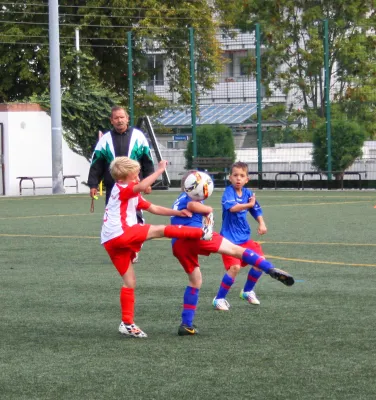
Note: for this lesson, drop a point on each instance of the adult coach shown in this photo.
(122, 140)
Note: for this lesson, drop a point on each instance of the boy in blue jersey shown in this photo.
(187, 252)
(237, 201)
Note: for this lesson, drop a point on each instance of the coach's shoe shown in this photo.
(250, 297)
(221, 304)
(185, 330)
(281, 276)
(207, 226)
(131, 330)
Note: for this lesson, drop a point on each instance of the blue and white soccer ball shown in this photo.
(198, 185)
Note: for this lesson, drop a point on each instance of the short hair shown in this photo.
(118, 108)
(185, 176)
(239, 164)
(121, 167)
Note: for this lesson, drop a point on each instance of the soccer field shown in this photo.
(60, 309)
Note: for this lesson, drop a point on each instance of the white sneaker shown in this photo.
(207, 226)
(250, 297)
(221, 304)
(131, 330)
(135, 260)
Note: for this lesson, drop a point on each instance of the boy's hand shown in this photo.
(262, 229)
(162, 164)
(148, 190)
(185, 213)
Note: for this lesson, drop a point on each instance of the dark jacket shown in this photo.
(99, 168)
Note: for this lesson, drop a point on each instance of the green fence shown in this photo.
(276, 102)
(280, 88)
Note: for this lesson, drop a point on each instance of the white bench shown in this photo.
(33, 178)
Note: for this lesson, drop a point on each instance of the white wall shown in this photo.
(27, 151)
(282, 157)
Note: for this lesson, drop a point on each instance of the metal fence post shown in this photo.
(193, 93)
(327, 99)
(258, 100)
(130, 79)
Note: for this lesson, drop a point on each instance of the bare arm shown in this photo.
(148, 181)
(199, 208)
(169, 212)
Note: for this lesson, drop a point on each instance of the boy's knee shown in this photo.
(156, 231)
(234, 269)
(195, 278)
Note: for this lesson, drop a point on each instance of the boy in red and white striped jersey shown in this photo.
(122, 236)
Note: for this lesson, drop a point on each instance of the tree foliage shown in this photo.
(290, 126)
(85, 108)
(156, 25)
(293, 51)
(24, 67)
(212, 141)
(347, 141)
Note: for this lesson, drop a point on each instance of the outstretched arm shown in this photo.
(159, 210)
(148, 181)
(199, 208)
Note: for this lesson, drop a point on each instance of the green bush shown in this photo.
(347, 138)
(212, 141)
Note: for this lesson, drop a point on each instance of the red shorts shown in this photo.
(187, 250)
(229, 261)
(122, 249)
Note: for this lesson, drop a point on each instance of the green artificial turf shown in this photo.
(60, 312)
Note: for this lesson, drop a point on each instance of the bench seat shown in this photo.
(34, 187)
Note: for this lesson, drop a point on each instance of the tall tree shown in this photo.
(85, 107)
(103, 26)
(157, 26)
(292, 59)
(23, 50)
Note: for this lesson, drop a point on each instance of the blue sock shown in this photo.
(225, 286)
(252, 278)
(252, 258)
(189, 306)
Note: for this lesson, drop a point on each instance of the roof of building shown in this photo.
(229, 114)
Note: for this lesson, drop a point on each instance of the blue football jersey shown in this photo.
(235, 226)
(181, 203)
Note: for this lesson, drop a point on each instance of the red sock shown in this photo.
(127, 305)
(182, 232)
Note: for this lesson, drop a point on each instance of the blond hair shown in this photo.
(121, 167)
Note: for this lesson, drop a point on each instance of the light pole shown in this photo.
(55, 98)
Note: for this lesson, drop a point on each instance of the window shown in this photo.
(231, 65)
(172, 145)
(155, 69)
